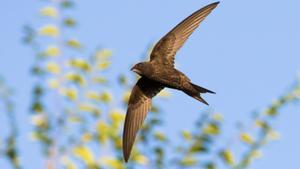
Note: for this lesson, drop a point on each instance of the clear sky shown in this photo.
(246, 51)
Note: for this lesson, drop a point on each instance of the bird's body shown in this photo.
(168, 76)
(159, 73)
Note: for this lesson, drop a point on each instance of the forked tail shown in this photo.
(201, 89)
(198, 97)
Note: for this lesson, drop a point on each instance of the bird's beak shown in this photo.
(135, 70)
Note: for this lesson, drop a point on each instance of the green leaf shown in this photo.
(198, 147)
(67, 4)
(69, 22)
(210, 165)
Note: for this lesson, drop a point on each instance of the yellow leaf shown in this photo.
(160, 136)
(126, 96)
(39, 120)
(188, 161)
(53, 83)
(74, 119)
(259, 123)
(76, 78)
(86, 137)
(186, 135)
(80, 64)
(117, 116)
(49, 30)
(69, 93)
(103, 131)
(99, 80)
(118, 143)
(227, 156)
(296, 93)
(85, 154)
(104, 65)
(211, 129)
(246, 138)
(52, 51)
(103, 54)
(49, 11)
(140, 159)
(273, 135)
(111, 162)
(53, 67)
(86, 107)
(34, 136)
(106, 97)
(256, 154)
(92, 95)
(218, 117)
(74, 43)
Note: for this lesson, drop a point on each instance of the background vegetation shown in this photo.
(77, 120)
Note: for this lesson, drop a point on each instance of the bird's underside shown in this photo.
(175, 79)
(159, 73)
(168, 76)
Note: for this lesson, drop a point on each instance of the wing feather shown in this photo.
(138, 106)
(165, 50)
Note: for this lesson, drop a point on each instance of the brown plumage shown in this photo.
(158, 73)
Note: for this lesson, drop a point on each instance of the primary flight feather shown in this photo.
(158, 73)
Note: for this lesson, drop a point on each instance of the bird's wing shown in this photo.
(138, 106)
(165, 50)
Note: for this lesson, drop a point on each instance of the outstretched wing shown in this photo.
(138, 106)
(165, 50)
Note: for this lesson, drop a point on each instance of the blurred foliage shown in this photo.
(77, 120)
(72, 97)
(8, 145)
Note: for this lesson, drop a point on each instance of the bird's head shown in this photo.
(138, 68)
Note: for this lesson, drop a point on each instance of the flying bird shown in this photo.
(159, 73)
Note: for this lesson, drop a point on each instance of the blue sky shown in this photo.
(246, 51)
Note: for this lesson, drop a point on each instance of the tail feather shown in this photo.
(201, 89)
(199, 98)
(196, 96)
